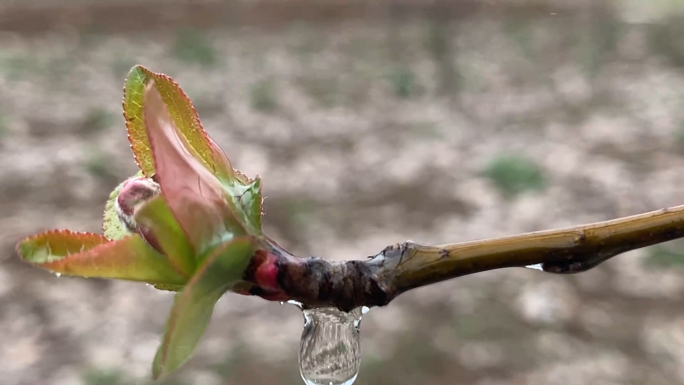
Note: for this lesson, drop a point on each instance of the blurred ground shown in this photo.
(366, 131)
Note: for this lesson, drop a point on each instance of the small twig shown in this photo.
(275, 274)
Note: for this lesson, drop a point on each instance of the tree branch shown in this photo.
(275, 274)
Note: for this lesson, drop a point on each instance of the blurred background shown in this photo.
(370, 122)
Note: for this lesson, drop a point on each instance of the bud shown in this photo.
(134, 194)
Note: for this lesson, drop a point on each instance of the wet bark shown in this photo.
(275, 274)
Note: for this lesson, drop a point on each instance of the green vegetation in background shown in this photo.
(514, 175)
(121, 65)
(403, 82)
(96, 120)
(323, 89)
(104, 377)
(679, 137)
(666, 255)
(302, 212)
(98, 165)
(194, 47)
(263, 96)
(307, 39)
(58, 70)
(92, 36)
(243, 366)
(596, 41)
(3, 127)
(437, 41)
(115, 377)
(419, 360)
(19, 67)
(665, 40)
(520, 31)
(425, 130)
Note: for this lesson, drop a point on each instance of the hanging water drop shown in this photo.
(330, 350)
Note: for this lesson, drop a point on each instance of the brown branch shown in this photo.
(275, 274)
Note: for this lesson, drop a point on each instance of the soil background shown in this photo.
(370, 123)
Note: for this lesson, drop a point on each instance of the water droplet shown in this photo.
(58, 275)
(296, 303)
(365, 309)
(536, 266)
(330, 350)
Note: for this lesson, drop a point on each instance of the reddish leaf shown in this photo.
(92, 255)
(194, 195)
(189, 127)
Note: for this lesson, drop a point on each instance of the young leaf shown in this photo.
(182, 113)
(187, 120)
(194, 195)
(157, 220)
(193, 306)
(188, 128)
(247, 200)
(92, 255)
(133, 114)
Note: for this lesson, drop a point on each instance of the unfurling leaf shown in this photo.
(186, 123)
(193, 194)
(182, 113)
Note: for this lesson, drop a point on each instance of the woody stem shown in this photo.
(277, 274)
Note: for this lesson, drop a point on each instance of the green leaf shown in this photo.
(92, 255)
(156, 218)
(111, 225)
(193, 306)
(248, 200)
(514, 174)
(133, 114)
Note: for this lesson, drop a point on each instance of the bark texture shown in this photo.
(275, 274)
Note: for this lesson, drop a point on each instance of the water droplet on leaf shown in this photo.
(330, 350)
